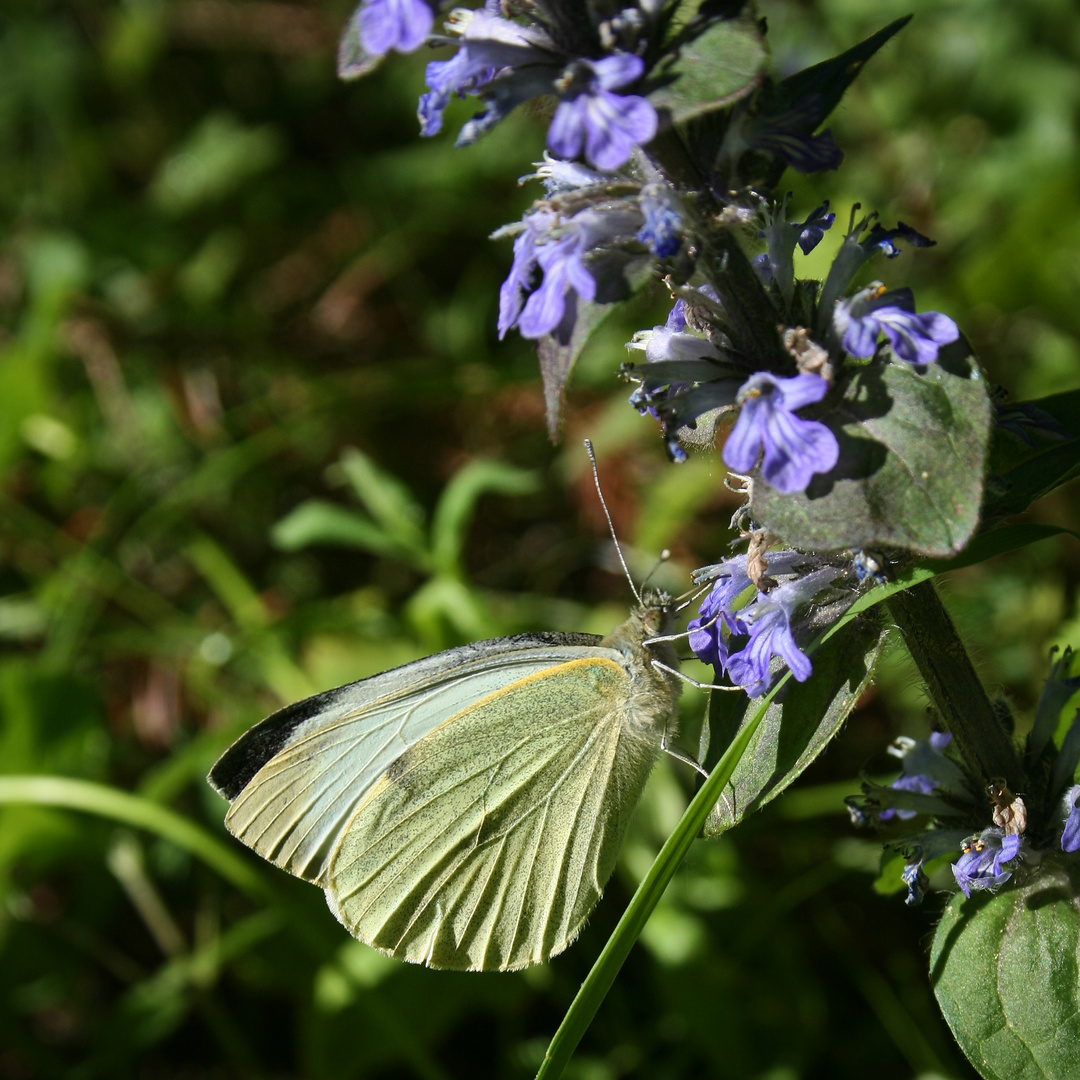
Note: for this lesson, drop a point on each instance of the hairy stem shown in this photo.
(953, 685)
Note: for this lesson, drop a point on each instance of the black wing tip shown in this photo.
(235, 769)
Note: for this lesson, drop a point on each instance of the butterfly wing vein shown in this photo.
(486, 844)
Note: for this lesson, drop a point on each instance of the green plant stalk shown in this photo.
(953, 684)
(611, 959)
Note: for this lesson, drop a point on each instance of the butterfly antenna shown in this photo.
(611, 526)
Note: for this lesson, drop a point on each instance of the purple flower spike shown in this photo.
(1070, 837)
(609, 125)
(873, 311)
(394, 24)
(983, 859)
(794, 449)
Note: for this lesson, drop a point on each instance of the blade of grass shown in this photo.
(91, 798)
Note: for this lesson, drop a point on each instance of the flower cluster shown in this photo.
(994, 830)
(649, 180)
(590, 69)
(770, 393)
(742, 625)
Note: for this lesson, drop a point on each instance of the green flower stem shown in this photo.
(746, 305)
(953, 685)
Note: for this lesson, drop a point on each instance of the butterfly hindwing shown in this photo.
(486, 844)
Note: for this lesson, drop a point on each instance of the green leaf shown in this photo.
(832, 77)
(353, 60)
(716, 66)
(1035, 449)
(557, 358)
(318, 522)
(387, 499)
(798, 725)
(618, 278)
(910, 474)
(1006, 973)
(458, 501)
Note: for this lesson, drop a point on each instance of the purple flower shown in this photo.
(507, 62)
(558, 249)
(984, 855)
(925, 770)
(812, 230)
(855, 250)
(715, 614)
(873, 311)
(794, 449)
(609, 125)
(394, 24)
(885, 239)
(769, 621)
(914, 878)
(1070, 836)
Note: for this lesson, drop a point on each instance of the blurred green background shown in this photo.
(258, 438)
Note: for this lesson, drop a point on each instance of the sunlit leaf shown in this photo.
(1006, 972)
(910, 475)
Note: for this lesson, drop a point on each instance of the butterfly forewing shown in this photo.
(486, 845)
(295, 779)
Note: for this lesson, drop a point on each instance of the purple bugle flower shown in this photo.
(608, 125)
(793, 449)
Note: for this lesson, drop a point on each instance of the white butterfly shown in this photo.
(464, 811)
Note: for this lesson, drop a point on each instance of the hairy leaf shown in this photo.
(1005, 969)
(799, 723)
(718, 63)
(910, 475)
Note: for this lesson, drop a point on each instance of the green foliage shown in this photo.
(713, 71)
(910, 473)
(187, 350)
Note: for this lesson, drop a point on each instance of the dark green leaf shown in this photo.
(798, 725)
(910, 474)
(711, 70)
(1005, 972)
(1035, 449)
(832, 77)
